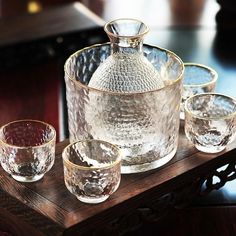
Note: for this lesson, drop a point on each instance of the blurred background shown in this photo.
(37, 36)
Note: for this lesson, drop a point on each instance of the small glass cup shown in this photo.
(210, 121)
(92, 169)
(197, 79)
(27, 149)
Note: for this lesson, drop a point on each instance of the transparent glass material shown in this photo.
(126, 70)
(210, 121)
(144, 125)
(27, 149)
(92, 170)
(197, 79)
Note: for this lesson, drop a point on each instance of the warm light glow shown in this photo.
(34, 6)
(147, 11)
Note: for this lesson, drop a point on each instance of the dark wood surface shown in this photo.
(48, 207)
(204, 221)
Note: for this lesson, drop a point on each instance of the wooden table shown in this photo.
(48, 208)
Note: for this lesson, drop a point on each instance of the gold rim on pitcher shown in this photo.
(80, 84)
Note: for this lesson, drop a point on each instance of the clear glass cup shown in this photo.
(27, 149)
(92, 169)
(210, 121)
(197, 79)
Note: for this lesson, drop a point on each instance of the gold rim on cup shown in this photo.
(29, 120)
(68, 162)
(210, 118)
(212, 71)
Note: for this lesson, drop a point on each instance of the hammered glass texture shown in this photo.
(197, 79)
(210, 121)
(27, 149)
(126, 70)
(144, 125)
(92, 170)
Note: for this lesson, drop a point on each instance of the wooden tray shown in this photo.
(48, 208)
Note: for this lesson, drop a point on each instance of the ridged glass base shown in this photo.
(148, 166)
(27, 179)
(210, 149)
(92, 200)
